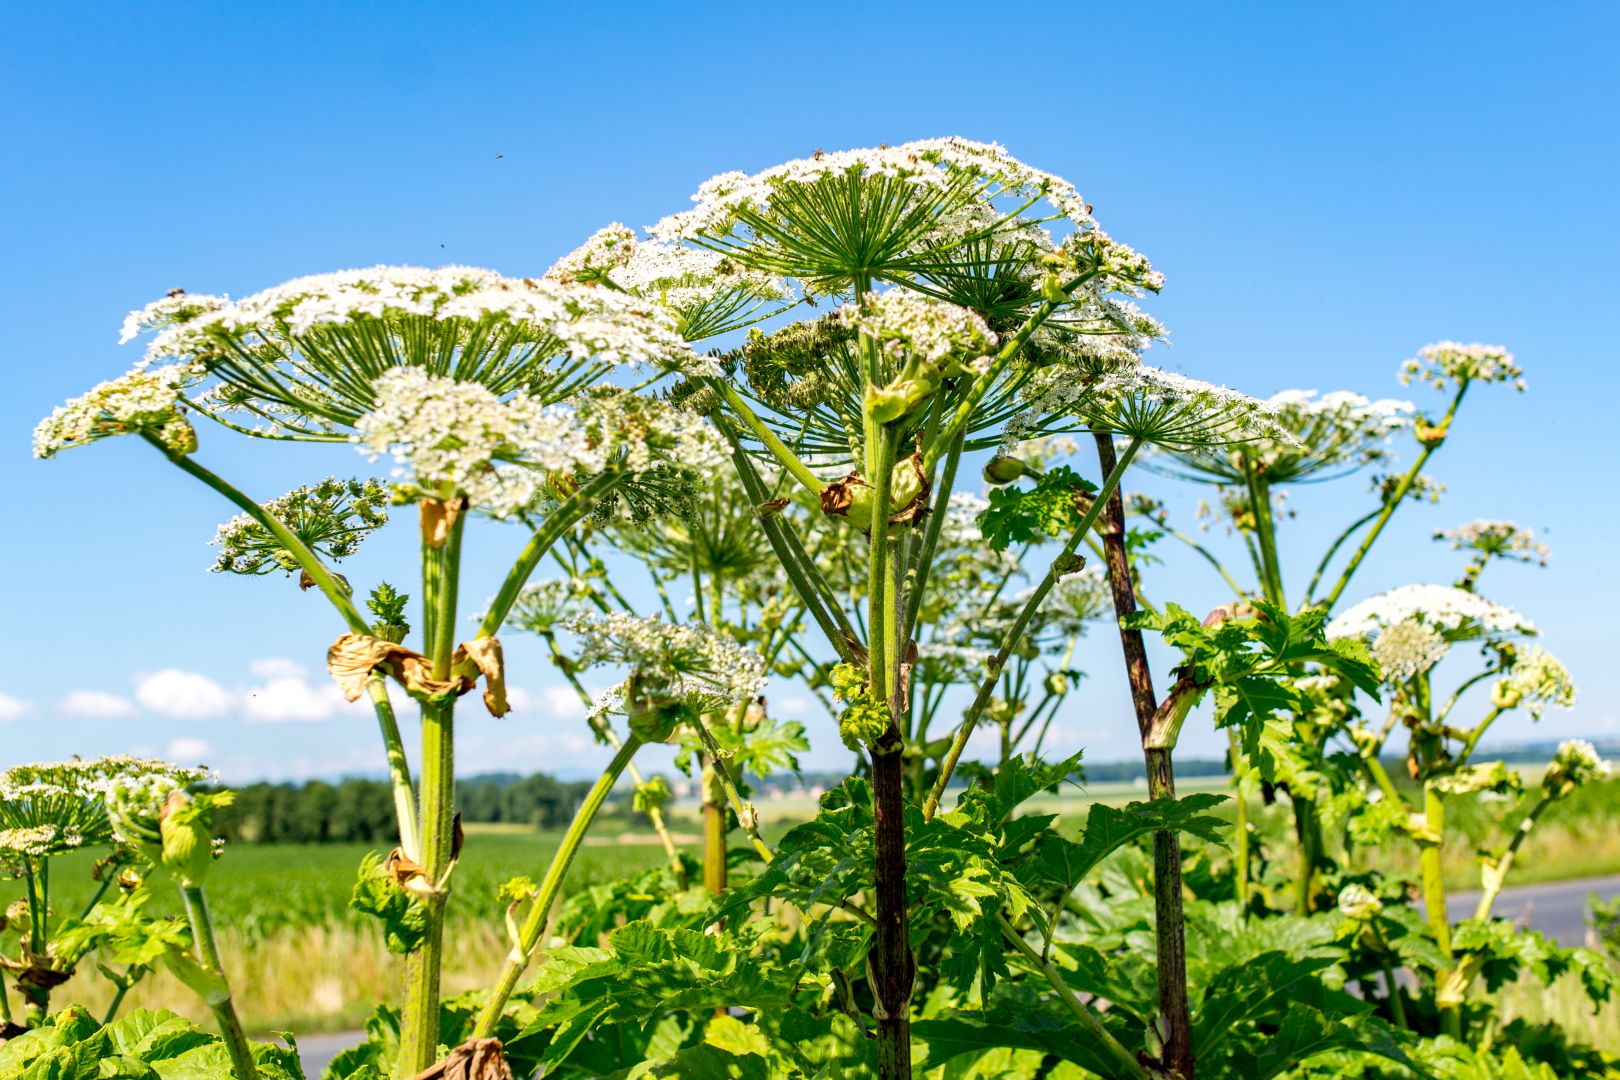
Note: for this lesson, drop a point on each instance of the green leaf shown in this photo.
(1064, 862)
(378, 894)
(1054, 507)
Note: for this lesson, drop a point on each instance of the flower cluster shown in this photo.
(1452, 362)
(330, 518)
(912, 327)
(1497, 539)
(146, 399)
(1405, 650)
(608, 248)
(676, 670)
(304, 355)
(1574, 763)
(1454, 612)
(1535, 679)
(544, 606)
(455, 437)
(1167, 409)
(49, 808)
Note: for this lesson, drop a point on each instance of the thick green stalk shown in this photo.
(517, 961)
(1009, 641)
(919, 571)
(419, 1020)
(207, 949)
(1240, 851)
(747, 815)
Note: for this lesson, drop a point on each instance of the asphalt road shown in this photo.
(1557, 909)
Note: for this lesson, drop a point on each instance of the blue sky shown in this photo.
(1325, 187)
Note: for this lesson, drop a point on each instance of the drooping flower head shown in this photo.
(330, 518)
(1485, 540)
(143, 400)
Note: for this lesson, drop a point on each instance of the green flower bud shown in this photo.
(1004, 469)
(1056, 684)
(186, 828)
(1052, 289)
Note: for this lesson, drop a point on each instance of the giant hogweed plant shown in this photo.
(978, 305)
(493, 397)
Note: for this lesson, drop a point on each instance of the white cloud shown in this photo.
(95, 705)
(519, 700)
(287, 696)
(186, 751)
(182, 695)
(12, 708)
(278, 667)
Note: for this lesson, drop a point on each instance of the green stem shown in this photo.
(1240, 852)
(207, 949)
(1434, 886)
(338, 595)
(129, 979)
(779, 450)
(924, 564)
(1077, 1008)
(1265, 529)
(747, 815)
(399, 770)
(419, 1021)
(1333, 549)
(556, 525)
(1391, 504)
(308, 561)
(1010, 640)
(517, 961)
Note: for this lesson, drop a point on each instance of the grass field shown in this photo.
(301, 960)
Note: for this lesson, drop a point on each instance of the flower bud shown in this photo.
(1003, 469)
(1358, 902)
(1052, 289)
(185, 826)
(1056, 684)
(1505, 695)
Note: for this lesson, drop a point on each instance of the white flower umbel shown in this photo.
(1448, 363)
(453, 437)
(1497, 539)
(1535, 680)
(701, 663)
(1576, 762)
(1332, 434)
(146, 399)
(1456, 613)
(1167, 409)
(304, 355)
(58, 806)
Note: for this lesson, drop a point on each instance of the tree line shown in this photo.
(360, 810)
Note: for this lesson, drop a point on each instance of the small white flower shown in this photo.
(1408, 649)
(1447, 362)
(1448, 609)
